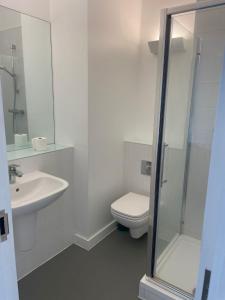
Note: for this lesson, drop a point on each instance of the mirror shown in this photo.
(26, 78)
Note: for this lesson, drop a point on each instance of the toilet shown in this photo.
(132, 211)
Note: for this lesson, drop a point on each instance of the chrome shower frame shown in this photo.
(164, 43)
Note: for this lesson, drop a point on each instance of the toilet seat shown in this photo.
(131, 206)
(128, 218)
(132, 211)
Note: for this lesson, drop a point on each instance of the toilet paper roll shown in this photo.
(39, 144)
(21, 139)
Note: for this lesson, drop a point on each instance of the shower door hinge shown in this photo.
(205, 291)
(4, 226)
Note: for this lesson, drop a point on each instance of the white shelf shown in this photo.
(28, 152)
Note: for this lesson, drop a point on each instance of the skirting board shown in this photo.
(148, 290)
(89, 243)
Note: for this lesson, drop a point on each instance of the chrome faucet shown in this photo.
(13, 173)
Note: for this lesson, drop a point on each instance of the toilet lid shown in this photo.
(132, 205)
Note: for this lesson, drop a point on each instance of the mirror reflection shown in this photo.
(26, 78)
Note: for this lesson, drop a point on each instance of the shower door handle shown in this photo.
(162, 180)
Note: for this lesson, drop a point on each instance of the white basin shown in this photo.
(31, 193)
(35, 191)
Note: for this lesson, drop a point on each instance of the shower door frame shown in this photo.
(157, 166)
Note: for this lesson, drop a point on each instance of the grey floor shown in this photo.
(110, 271)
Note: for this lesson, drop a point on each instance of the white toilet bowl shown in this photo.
(132, 211)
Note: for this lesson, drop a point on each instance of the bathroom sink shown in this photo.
(35, 191)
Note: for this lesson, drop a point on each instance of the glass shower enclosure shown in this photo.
(192, 50)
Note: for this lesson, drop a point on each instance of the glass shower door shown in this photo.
(181, 72)
(195, 47)
(175, 138)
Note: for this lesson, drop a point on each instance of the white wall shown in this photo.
(55, 224)
(144, 115)
(95, 105)
(113, 54)
(70, 66)
(122, 83)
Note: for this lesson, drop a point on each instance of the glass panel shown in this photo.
(26, 78)
(179, 86)
(197, 47)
